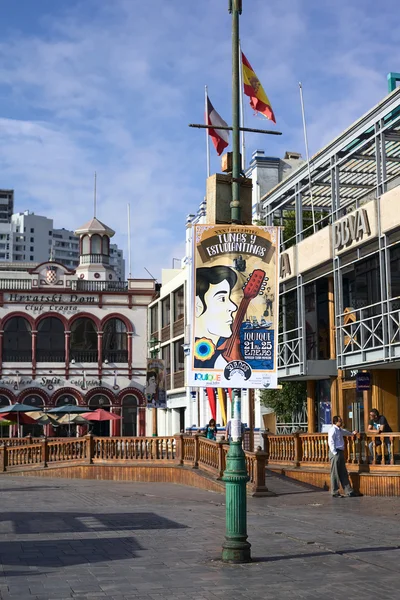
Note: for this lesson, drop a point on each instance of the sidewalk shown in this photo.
(92, 539)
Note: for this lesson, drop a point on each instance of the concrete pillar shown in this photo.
(337, 405)
(332, 325)
(311, 427)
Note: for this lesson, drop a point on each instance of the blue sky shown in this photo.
(111, 85)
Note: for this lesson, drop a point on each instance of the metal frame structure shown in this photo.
(358, 166)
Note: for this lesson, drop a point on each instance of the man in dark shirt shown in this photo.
(378, 424)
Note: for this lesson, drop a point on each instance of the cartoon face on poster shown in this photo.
(235, 306)
(155, 384)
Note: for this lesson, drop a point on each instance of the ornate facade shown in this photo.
(76, 337)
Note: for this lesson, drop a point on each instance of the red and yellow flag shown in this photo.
(253, 88)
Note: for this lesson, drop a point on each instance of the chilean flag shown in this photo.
(220, 137)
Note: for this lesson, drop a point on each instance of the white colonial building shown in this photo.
(76, 336)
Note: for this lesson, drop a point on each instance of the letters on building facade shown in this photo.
(352, 228)
(285, 269)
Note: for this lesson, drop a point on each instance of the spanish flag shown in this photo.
(253, 88)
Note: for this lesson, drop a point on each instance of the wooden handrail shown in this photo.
(196, 451)
(311, 449)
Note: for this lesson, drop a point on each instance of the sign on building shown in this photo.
(235, 306)
(155, 384)
(363, 381)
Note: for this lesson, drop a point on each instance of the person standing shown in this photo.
(339, 474)
(378, 424)
(228, 430)
(210, 430)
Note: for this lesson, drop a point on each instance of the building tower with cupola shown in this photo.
(94, 252)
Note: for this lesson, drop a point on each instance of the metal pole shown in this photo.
(242, 110)
(307, 156)
(207, 136)
(129, 242)
(236, 548)
(95, 194)
(235, 202)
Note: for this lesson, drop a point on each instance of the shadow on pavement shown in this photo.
(66, 522)
(30, 489)
(292, 483)
(61, 553)
(324, 553)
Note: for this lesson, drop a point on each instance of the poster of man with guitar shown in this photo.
(233, 342)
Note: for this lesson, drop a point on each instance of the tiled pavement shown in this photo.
(78, 539)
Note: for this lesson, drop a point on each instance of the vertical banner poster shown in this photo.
(235, 306)
(156, 396)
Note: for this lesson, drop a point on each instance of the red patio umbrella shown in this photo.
(100, 415)
(20, 418)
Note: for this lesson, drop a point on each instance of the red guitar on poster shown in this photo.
(254, 286)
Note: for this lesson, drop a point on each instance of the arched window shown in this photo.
(115, 341)
(96, 244)
(66, 399)
(4, 401)
(85, 244)
(34, 430)
(99, 401)
(50, 341)
(106, 245)
(83, 341)
(17, 341)
(129, 415)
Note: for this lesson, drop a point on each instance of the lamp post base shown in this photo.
(236, 548)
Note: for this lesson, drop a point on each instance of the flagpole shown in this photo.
(307, 154)
(95, 195)
(129, 241)
(236, 548)
(207, 134)
(242, 109)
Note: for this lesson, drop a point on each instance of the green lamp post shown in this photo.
(236, 548)
(154, 348)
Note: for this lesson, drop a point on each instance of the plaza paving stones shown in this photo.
(63, 539)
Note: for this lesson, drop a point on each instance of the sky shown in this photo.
(111, 86)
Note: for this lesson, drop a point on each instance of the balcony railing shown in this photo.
(178, 327)
(99, 286)
(165, 333)
(15, 284)
(369, 333)
(95, 259)
(115, 356)
(50, 355)
(17, 355)
(84, 356)
(179, 379)
(290, 349)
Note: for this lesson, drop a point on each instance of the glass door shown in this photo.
(354, 404)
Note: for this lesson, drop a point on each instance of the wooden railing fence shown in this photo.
(366, 450)
(194, 451)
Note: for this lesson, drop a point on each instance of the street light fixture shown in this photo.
(153, 349)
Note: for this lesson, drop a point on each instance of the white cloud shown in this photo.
(112, 86)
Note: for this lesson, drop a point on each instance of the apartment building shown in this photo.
(30, 238)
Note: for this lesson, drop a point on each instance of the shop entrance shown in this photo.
(354, 407)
